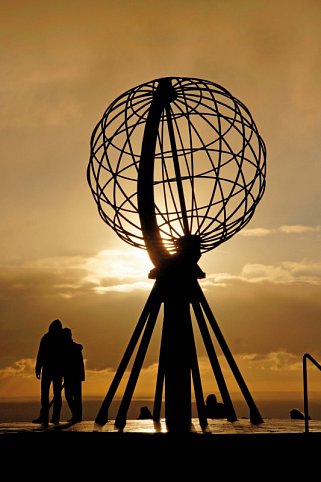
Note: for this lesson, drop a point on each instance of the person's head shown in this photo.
(67, 333)
(211, 399)
(55, 326)
(145, 412)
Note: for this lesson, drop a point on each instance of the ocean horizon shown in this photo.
(24, 410)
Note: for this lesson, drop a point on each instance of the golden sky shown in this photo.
(62, 64)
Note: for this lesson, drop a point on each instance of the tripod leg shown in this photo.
(231, 415)
(197, 380)
(102, 416)
(255, 415)
(120, 421)
(160, 378)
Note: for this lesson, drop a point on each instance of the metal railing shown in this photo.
(305, 387)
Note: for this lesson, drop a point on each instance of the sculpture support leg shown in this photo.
(197, 383)
(177, 359)
(160, 377)
(120, 421)
(231, 415)
(102, 416)
(255, 416)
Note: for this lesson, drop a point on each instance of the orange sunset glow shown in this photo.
(61, 67)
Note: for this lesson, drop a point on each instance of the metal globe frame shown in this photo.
(177, 167)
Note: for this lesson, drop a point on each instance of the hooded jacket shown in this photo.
(49, 357)
(74, 368)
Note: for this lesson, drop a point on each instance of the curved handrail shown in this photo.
(305, 387)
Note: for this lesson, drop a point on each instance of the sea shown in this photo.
(25, 410)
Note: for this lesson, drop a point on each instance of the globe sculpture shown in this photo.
(177, 167)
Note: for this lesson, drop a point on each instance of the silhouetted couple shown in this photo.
(60, 360)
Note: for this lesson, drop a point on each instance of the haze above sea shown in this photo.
(24, 410)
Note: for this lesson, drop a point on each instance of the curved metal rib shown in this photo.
(163, 95)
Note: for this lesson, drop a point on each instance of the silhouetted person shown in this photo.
(145, 413)
(49, 369)
(74, 375)
(296, 414)
(214, 409)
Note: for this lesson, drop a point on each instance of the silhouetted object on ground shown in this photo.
(144, 414)
(49, 369)
(214, 409)
(177, 167)
(74, 375)
(296, 414)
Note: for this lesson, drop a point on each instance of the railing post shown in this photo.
(305, 386)
(305, 393)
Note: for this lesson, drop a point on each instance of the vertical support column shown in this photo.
(177, 363)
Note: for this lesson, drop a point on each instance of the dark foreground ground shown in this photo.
(145, 451)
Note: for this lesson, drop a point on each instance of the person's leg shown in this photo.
(57, 400)
(69, 396)
(45, 388)
(78, 400)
